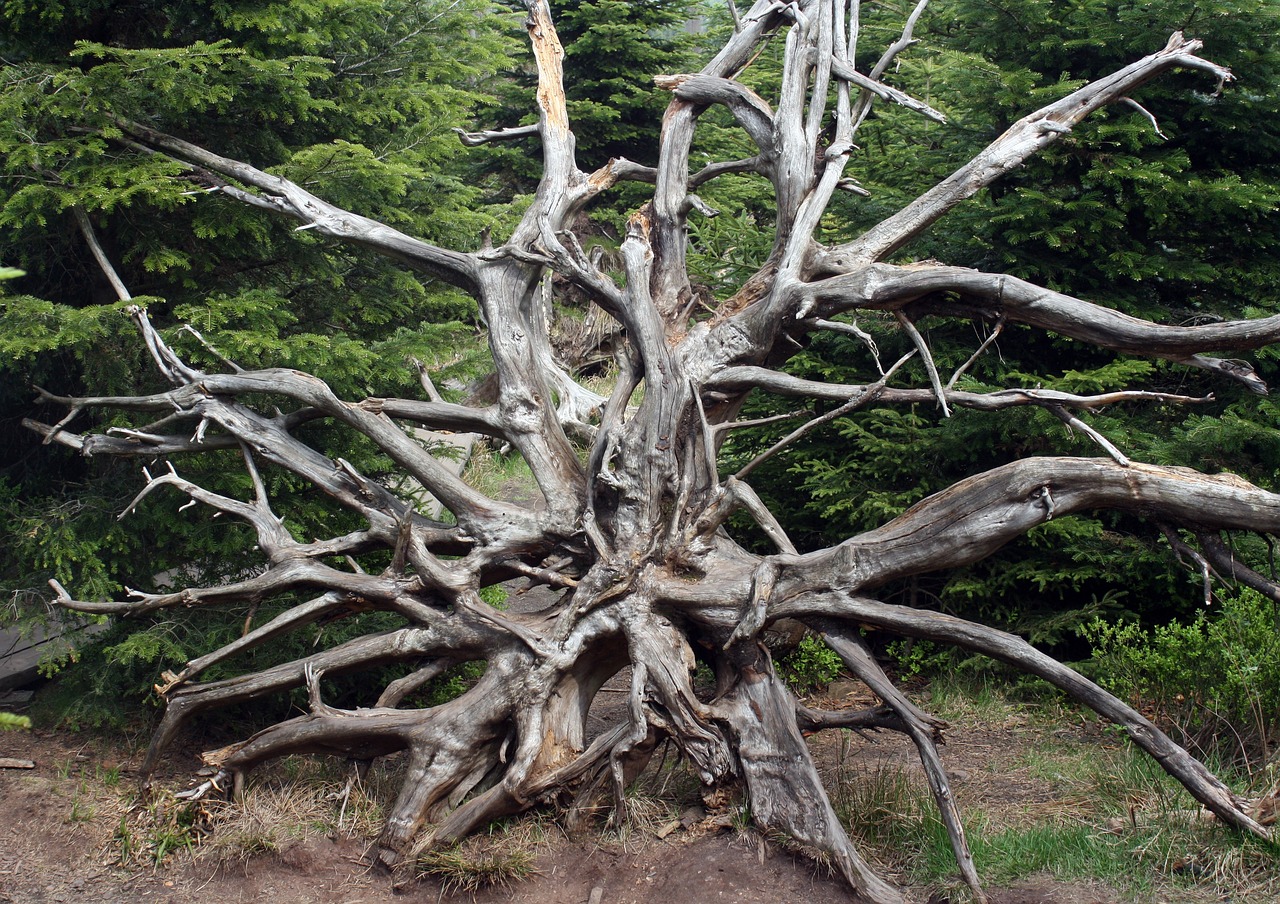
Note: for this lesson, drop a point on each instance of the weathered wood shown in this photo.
(629, 541)
(21, 652)
(922, 729)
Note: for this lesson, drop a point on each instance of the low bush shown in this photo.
(810, 666)
(1214, 681)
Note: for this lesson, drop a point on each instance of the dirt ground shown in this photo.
(61, 827)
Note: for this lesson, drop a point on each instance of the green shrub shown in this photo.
(1215, 681)
(811, 665)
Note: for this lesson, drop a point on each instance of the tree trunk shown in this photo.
(630, 533)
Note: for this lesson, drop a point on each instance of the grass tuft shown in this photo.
(500, 859)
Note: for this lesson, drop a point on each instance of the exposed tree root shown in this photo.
(632, 532)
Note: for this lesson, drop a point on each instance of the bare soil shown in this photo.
(60, 836)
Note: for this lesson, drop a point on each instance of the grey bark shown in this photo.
(630, 531)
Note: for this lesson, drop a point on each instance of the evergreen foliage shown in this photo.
(613, 51)
(354, 100)
(1215, 678)
(628, 531)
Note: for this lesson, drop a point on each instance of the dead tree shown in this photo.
(631, 534)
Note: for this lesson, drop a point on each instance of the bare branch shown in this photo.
(923, 730)
(978, 515)
(927, 358)
(1155, 126)
(1024, 138)
(285, 197)
(748, 108)
(1225, 562)
(485, 136)
(188, 328)
(924, 288)
(869, 394)
(986, 343)
(1074, 423)
(1182, 550)
(854, 330)
(844, 71)
(104, 263)
(740, 378)
(712, 170)
(299, 616)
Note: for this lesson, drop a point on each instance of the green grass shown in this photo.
(498, 475)
(1119, 818)
(1066, 851)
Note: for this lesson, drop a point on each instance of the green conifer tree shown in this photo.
(355, 99)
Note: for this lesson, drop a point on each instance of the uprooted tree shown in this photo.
(632, 534)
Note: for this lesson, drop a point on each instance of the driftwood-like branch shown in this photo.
(1024, 138)
(740, 378)
(998, 297)
(1225, 562)
(285, 197)
(629, 534)
(923, 731)
(842, 70)
(858, 398)
(100, 254)
(485, 136)
(747, 107)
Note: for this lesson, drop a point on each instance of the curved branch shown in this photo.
(273, 539)
(186, 701)
(947, 629)
(436, 415)
(721, 168)
(925, 288)
(975, 517)
(287, 198)
(671, 282)
(811, 721)
(1024, 138)
(748, 108)
(1224, 561)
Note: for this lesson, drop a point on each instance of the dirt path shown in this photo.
(64, 824)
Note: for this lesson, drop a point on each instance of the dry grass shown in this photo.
(298, 799)
(268, 819)
(644, 818)
(499, 859)
(1044, 792)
